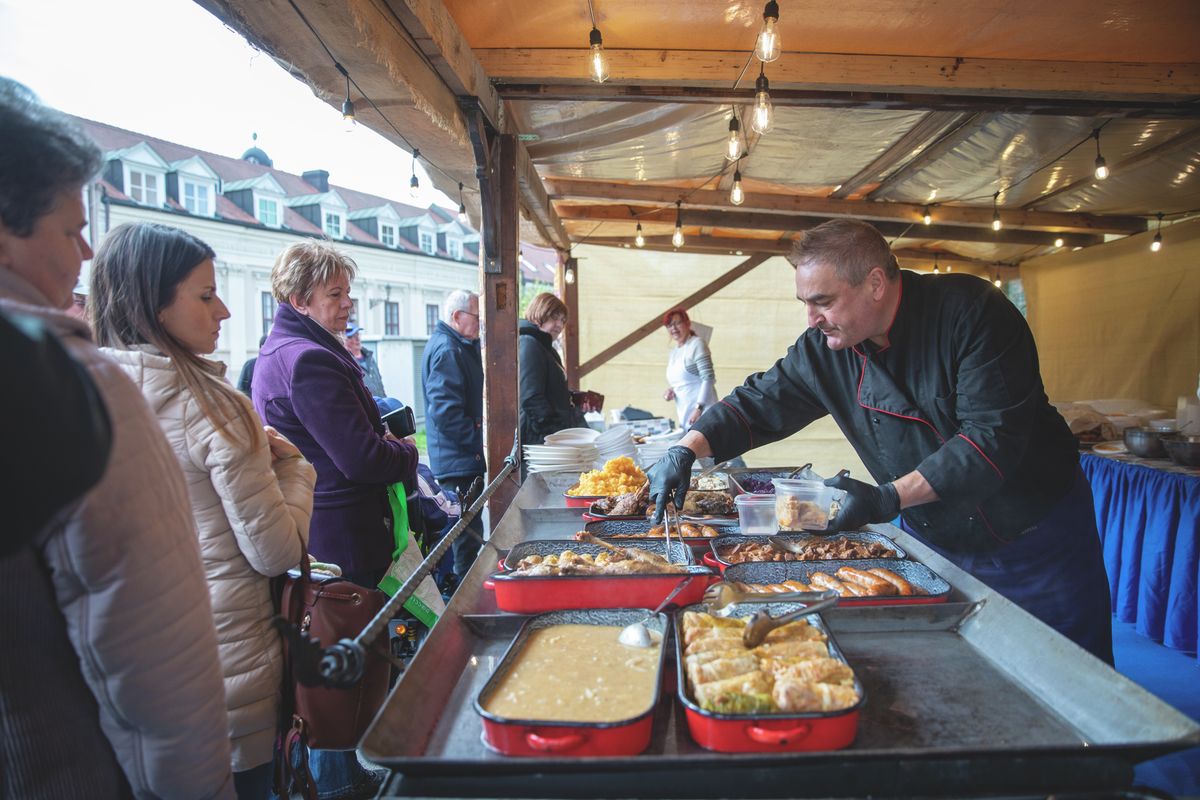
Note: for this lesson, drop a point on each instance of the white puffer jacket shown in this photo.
(128, 580)
(251, 515)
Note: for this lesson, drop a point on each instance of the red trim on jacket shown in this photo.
(858, 399)
(749, 431)
(985, 458)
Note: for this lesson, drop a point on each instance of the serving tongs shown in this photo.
(720, 596)
(762, 623)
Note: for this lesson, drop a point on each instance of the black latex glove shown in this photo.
(863, 503)
(669, 479)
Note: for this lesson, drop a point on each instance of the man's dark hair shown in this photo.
(43, 153)
(852, 247)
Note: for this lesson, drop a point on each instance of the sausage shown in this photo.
(903, 587)
(874, 584)
(795, 586)
(820, 580)
(708, 532)
(690, 531)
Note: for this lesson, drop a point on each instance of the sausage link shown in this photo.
(823, 581)
(872, 583)
(903, 587)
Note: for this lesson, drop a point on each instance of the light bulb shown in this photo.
(348, 121)
(599, 62)
(768, 45)
(1058, 242)
(996, 221)
(999, 283)
(569, 275)
(737, 196)
(936, 271)
(764, 114)
(1156, 245)
(677, 238)
(639, 240)
(949, 268)
(927, 218)
(414, 187)
(1101, 168)
(733, 147)
(462, 214)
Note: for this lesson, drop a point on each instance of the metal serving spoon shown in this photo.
(785, 545)
(636, 634)
(763, 623)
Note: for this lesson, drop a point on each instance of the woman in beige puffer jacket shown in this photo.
(154, 305)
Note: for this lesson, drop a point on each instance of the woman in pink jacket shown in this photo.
(155, 307)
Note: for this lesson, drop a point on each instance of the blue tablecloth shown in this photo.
(1149, 523)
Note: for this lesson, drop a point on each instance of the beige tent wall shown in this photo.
(754, 320)
(1117, 320)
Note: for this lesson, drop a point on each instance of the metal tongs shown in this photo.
(763, 623)
(720, 596)
(671, 519)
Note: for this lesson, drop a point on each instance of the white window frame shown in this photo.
(143, 187)
(200, 205)
(427, 241)
(334, 224)
(259, 203)
(387, 235)
(455, 249)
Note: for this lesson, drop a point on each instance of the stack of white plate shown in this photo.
(656, 447)
(570, 450)
(614, 443)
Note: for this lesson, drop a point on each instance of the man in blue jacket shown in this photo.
(452, 378)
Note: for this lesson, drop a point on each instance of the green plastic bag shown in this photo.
(426, 603)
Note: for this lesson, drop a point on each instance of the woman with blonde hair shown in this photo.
(546, 404)
(155, 309)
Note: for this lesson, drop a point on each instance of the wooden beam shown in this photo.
(647, 328)
(716, 245)
(1185, 139)
(951, 138)
(789, 223)
(859, 73)
(499, 307)
(967, 216)
(907, 146)
(570, 296)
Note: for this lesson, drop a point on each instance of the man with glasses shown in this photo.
(452, 379)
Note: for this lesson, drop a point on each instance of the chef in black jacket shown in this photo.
(935, 381)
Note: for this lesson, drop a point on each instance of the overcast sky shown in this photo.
(170, 69)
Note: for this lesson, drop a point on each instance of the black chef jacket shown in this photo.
(956, 394)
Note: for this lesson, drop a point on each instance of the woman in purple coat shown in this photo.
(309, 387)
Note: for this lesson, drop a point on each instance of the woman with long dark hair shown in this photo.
(155, 309)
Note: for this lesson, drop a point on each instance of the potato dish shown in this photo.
(619, 476)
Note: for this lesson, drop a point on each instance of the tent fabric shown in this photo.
(1118, 320)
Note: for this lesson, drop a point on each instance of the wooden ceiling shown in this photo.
(975, 96)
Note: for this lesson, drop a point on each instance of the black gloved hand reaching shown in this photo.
(863, 503)
(669, 479)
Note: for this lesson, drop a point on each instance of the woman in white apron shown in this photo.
(690, 378)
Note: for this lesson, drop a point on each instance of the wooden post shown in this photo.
(570, 296)
(498, 307)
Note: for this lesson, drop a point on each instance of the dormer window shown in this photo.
(143, 187)
(195, 198)
(333, 225)
(387, 235)
(427, 242)
(268, 212)
(454, 248)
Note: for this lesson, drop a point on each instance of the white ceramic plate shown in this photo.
(1109, 448)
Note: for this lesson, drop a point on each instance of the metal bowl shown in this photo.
(1145, 443)
(1183, 448)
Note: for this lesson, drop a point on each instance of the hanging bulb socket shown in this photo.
(1156, 243)
(767, 48)
(639, 239)
(348, 120)
(677, 237)
(936, 269)
(733, 146)
(414, 183)
(598, 61)
(926, 217)
(462, 207)
(999, 284)
(764, 113)
(1101, 165)
(996, 224)
(736, 195)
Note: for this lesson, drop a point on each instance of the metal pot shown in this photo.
(1184, 448)
(1145, 443)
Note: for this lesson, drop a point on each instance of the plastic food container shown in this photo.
(804, 505)
(756, 513)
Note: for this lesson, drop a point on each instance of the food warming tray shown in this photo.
(523, 737)
(579, 501)
(865, 537)
(534, 594)
(610, 528)
(919, 575)
(782, 732)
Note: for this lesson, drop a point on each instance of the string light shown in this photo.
(1101, 166)
(768, 46)
(1059, 242)
(569, 275)
(764, 114)
(733, 147)
(936, 271)
(348, 120)
(999, 284)
(639, 240)
(736, 195)
(926, 217)
(996, 212)
(949, 268)
(1156, 244)
(599, 62)
(677, 237)
(414, 183)
(462, 207)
